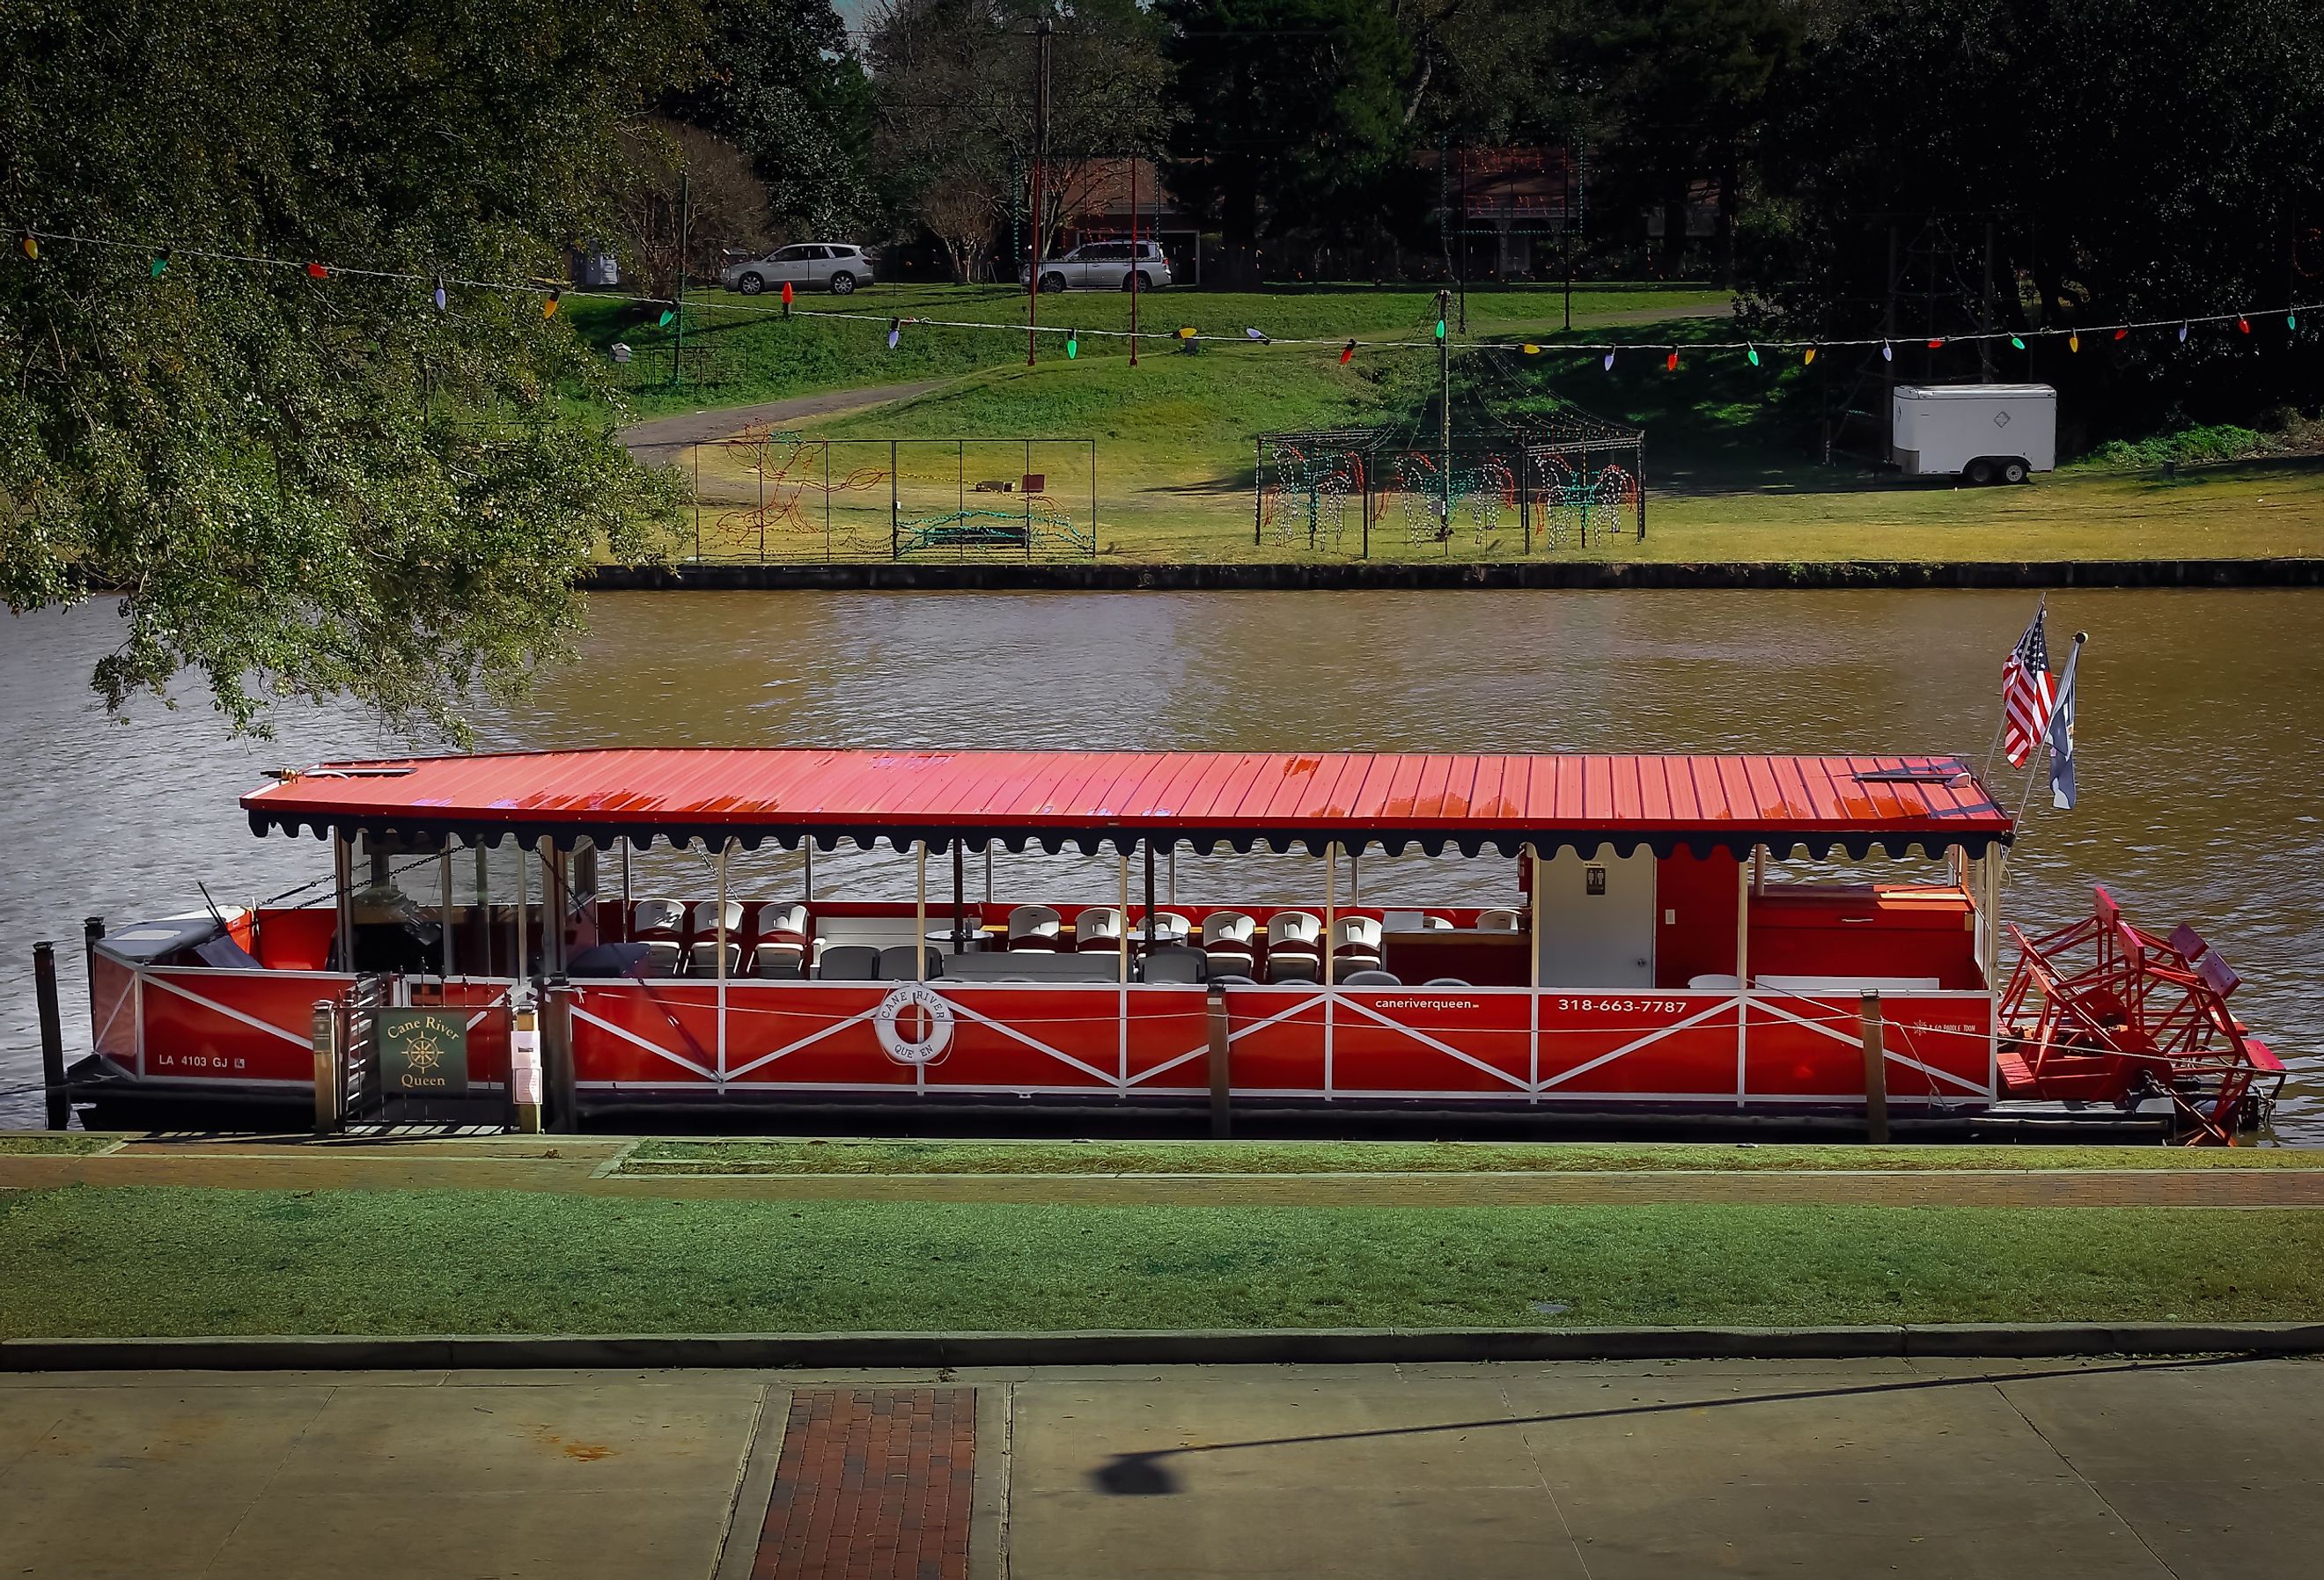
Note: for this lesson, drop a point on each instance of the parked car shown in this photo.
(1103, 266)
(838, 267)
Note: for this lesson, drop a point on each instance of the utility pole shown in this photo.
(1445, 414)
(1985, 313)
(1041, 32)
(1135, 270)
(678, 345)
(1462, 230)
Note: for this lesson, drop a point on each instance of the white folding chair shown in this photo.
(655, 918)
(1032, 927)
(1295, 940)
(1355, 945)
(1098, 928)
(781, 946)
(1226, 939)
(702, 954)
(1497, 921)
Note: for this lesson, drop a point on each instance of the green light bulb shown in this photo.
(1440, 328)
(1753, 352)
(666, 316)
(2015, 344)
(1073, 344)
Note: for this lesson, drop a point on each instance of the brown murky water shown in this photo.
(2202, 735)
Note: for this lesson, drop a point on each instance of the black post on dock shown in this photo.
(53, 1035)
(555, 1023)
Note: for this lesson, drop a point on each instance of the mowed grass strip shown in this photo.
(69, 1143)
(882, 1156)
(164, 1262)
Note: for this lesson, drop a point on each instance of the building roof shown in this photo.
(1094, 800)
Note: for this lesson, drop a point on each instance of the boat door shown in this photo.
(1597, 920)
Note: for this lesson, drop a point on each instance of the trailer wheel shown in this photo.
(1979, 471)
(2014, 471)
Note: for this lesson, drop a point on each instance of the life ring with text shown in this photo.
(914, 1023)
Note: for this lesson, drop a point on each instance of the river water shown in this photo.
(2202, 735)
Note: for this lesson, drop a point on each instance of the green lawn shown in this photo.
(664, 1156)
(93, 1262)
(741, 349)
(69, 1142)
(1727, 461)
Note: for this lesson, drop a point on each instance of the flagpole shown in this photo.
(2043, 753)
(2001, 724)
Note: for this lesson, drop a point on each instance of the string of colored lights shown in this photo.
(550, 293)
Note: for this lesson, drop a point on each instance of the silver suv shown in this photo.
(838, 267)
(1103, 266)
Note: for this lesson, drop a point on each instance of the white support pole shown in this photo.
(1743, 889)
(725, 847)
(1532, 969)
(807, 845)
(1324, 956)
(1122, 917)
(627, 914)
(920, 913)
(987, 872)
(1330, 908)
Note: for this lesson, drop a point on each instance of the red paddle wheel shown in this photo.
(2104, 1011)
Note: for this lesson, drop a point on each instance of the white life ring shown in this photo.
(935, 1016)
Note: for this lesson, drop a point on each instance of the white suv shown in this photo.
(837, 266)
(1103, 266)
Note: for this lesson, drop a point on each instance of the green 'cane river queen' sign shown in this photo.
(423, 1053)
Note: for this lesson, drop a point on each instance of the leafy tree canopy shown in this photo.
(784, 85)
(1295, 110)
(301, 487)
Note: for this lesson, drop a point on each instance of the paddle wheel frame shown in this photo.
(2105, 1011)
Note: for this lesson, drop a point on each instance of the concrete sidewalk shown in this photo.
(2051, 1469)
(592, 1166)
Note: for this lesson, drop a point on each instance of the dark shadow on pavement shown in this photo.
(1148, 1474)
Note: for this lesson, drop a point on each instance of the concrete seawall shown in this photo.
(1100, 576)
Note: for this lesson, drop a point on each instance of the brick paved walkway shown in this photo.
(874, 1483)
(579, 1165)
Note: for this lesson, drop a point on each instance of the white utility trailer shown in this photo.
(1981, 433)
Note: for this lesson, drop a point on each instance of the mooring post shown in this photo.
(524, 1064)
(1875, 1070)
(1221, 1088)
(557, 1057)
(326, 1036)
(53, 1035)
(92, 930)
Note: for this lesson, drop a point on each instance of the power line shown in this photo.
(550, 291)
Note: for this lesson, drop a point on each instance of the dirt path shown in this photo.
(661, 438)
(590, 1166)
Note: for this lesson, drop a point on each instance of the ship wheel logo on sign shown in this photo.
(914, 1023)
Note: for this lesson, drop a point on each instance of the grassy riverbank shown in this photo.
(1727, 461)
(741, 349)
(155, 1262)
(661, 1155)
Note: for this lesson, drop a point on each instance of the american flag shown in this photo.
(2028, 693)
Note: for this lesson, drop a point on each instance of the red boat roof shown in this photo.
(1116, 799)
